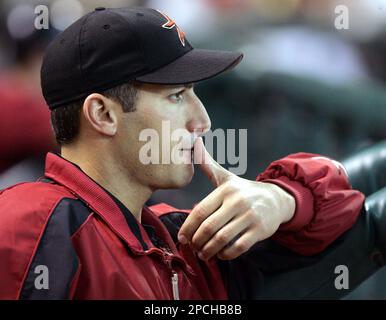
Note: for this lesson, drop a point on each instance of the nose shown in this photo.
(199, 122)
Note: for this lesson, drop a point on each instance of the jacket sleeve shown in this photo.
(326, 205)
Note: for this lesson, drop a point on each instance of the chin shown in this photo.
(184, 177)
(168, 177)
(180, 177)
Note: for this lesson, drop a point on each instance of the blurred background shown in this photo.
(304, 84)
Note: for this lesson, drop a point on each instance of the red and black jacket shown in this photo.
(94, 248)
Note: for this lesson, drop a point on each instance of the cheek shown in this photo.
(154, 114)
(167, 125)
(158, 127)
(151, 118)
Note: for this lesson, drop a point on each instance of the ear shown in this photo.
(100, 114)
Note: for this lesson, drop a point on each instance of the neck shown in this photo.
(112, 176)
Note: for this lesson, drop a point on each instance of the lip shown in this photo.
(187, 144)
(187, 153)
(186, 149)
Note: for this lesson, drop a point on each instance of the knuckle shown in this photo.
(228, 188)
(256, 216)
(231, 204)
(199, 212)
(264, 228)
(237, 203)
(231, 255)
(221, 237)
(208, 227)
(205, 252)
(224, 256)
(242, 202)
(259, 228)
(241, 246)
(251, 216)
(196, 241)
(228, 254)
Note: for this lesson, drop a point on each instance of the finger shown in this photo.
(215, 172)
(212, 224)
(240, 246)
(199, 213)
(224, 236)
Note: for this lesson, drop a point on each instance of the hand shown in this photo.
(236, 215)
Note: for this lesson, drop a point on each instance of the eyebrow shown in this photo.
(178, 86)
(185, 86)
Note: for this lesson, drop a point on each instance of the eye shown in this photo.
(177, 97)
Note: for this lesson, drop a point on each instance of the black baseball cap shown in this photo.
(108, 47)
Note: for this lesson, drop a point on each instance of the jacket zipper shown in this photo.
(176, 293)
(174, 277)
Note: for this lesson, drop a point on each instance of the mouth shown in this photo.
(187, 149)
(188, 152)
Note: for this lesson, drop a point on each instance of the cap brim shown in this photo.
(194, 66)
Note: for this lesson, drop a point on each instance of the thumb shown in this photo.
(215, 172)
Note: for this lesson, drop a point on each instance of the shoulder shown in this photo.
(26, 198)
(34, 218)
(27, 207)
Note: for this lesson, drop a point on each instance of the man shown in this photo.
(83, 232)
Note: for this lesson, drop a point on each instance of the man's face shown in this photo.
(167, 119)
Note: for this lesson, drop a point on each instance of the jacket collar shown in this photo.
(102, 203)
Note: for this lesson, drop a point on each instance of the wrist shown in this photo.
(289, 205)
(286, 202)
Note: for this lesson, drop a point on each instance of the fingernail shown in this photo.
(201, 256)
(182, 239)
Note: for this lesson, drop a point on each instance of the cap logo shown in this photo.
(170, 24)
